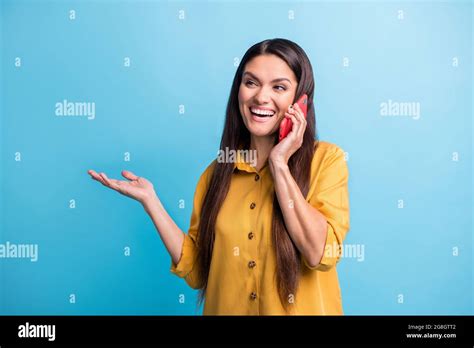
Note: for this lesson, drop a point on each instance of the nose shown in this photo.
(262, 97)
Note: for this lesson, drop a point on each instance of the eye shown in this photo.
(282, 88)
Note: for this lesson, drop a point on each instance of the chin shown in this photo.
(259, 132)
(260, 129)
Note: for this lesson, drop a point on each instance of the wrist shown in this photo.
(150, 202)
(277, 160)
(277, 166)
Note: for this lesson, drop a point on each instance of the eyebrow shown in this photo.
(276, 80)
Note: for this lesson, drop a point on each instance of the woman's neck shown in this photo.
(263, 145)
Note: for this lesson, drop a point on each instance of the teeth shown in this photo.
(262, 112)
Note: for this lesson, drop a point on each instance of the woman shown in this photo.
(263, 239)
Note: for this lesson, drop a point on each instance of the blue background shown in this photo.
(190, 62)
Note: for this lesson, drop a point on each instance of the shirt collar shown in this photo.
(244, 166)
(240, 163)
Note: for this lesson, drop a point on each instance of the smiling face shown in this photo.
(267, 89)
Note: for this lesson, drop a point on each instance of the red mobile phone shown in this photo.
(286, 125)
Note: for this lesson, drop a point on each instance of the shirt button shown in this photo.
(252, 205)
(257, 177)
(252, 264)
(253, 296)
(250, 235)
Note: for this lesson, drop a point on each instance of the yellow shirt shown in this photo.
(243, 235)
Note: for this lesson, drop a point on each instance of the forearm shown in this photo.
(305, 224)
(171, 235)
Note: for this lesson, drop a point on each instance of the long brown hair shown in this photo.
(235, 134)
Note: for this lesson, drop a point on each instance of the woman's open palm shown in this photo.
(136, 187)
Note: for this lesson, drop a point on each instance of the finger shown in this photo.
(104, 179)
(112, 183)
(290, 115)
(93, 174)
(300, 116)
(99, 178)
(294, 121)
(129, 175)
(301, 130)
(96, 177)
(299, 112)
(117, 185)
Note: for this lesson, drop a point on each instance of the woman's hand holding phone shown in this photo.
(291, 133)
(286, 125)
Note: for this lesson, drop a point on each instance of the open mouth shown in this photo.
(270, 114)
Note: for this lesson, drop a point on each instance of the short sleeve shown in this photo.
(331, 198)
(187, 266)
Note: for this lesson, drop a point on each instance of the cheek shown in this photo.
(284, 106)
(243, 95)
(243, 98)
(288, 101)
